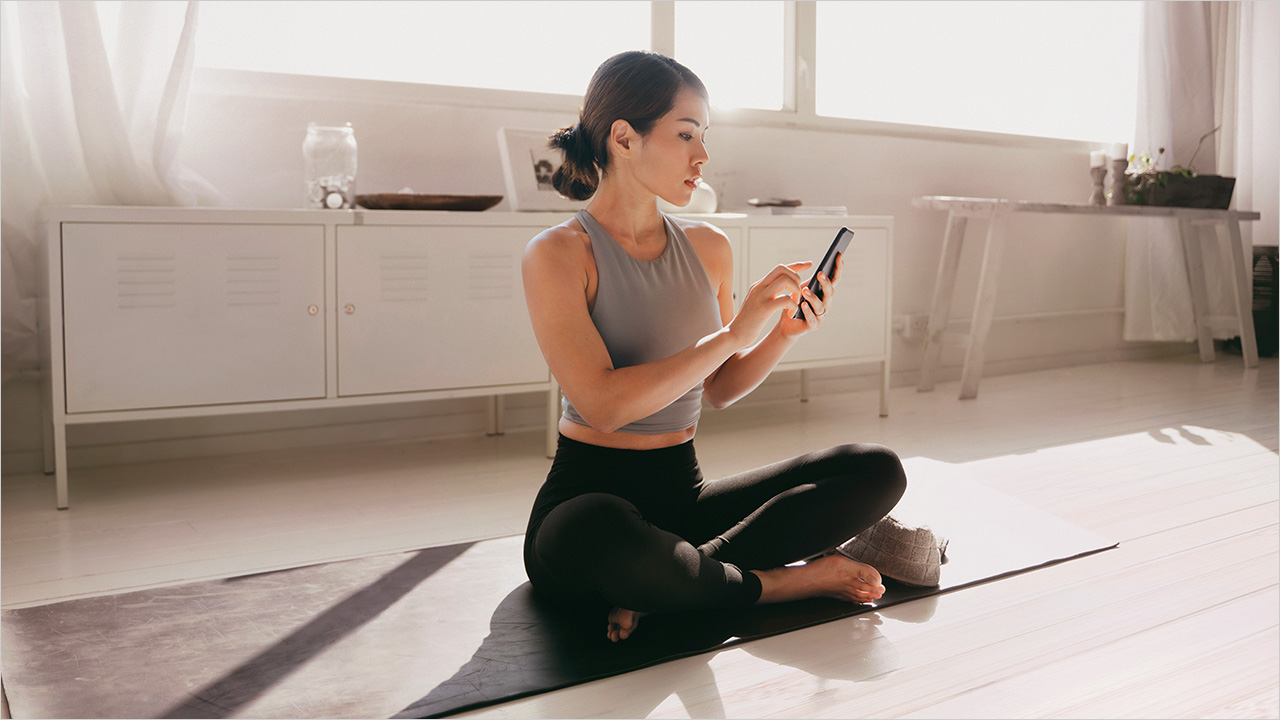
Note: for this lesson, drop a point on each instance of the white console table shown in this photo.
(997, 211)
(151, 313)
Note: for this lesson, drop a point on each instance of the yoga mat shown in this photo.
(434, 631)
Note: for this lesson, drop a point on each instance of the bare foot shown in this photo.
(849, 580)
(833, 576)
(622, 623)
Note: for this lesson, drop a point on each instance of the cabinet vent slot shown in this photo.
(406, 278)
(146, 280)
(492, 276)
(253, 280)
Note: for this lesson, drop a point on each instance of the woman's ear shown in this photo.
(621, 138)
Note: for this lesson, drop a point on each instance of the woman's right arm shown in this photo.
(555, 285)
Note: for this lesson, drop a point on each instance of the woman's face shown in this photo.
(670, 158)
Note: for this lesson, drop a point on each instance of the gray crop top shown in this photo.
(647, 310)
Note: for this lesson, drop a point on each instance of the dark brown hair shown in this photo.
(637, 86)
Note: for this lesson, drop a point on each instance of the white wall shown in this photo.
(250, 147)
(247, 142)
(1265, 101)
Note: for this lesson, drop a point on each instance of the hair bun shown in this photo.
(566, 138)
(577, 177)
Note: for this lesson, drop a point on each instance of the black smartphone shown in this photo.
(828, 264)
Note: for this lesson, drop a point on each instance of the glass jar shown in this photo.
(329, 166)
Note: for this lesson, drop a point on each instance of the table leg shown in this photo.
(1193, 251)
(943, 289)
(1229, 233)
(984, 308)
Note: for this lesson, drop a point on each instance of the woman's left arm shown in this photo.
(746, 369)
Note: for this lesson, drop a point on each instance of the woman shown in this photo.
(634, 313)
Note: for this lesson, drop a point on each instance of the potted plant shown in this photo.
(1177, 187)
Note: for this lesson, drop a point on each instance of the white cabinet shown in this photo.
(855, 327)
(168, 315)
(152, 313)
(431, 308)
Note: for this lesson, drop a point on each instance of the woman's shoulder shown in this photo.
(710, 243)
(699, 229)
(707, 239)
(567, 239)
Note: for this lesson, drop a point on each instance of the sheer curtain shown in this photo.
(1193, 60)
(85, 125)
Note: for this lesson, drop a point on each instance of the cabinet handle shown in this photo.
(313, 310)
(350, 308)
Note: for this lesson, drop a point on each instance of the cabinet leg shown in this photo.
(46, 432)
(60, 463)
(553, 417)
(496, 412)
(1193, 252)
(804, 386)
(940, 310)
(884, 388)
(984, 308)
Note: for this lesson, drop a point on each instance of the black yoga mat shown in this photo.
(430, 632)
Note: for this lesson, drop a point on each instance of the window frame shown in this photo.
(798, 111)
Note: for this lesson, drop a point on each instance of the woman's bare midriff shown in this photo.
(623, 440)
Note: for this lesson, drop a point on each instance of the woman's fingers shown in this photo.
(817, 307)
(784, 290)
(828, 287)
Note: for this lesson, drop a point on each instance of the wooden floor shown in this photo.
(1175, 460)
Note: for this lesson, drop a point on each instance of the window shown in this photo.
(1052, 69)
(1061, 69)
(550, 47)
(736, 48)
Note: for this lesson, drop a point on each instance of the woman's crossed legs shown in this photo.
(726, 548)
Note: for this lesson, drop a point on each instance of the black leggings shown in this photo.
(642, 530)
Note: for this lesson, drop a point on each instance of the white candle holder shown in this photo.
(1099, 174)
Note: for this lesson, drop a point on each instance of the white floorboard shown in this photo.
(1174, 459)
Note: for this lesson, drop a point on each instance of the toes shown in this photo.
(622, 623)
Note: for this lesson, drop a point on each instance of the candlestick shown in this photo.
(1115, 196)
(1098, 158)
(1099, 174)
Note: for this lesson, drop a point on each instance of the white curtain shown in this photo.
(1194, 58)
(83, 124)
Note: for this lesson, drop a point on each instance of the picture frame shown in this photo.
(527, 166)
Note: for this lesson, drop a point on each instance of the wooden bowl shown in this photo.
(407, 201)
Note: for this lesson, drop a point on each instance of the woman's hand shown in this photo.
(811, 307)
(772, 294)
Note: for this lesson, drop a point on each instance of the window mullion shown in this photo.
(662, 27)
(801, 51)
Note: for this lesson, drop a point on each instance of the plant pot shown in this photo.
(1178, 190)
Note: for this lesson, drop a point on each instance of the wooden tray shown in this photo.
(406, 201)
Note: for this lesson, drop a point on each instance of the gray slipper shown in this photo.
(910, 555)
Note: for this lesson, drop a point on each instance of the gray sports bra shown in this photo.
(647, 310)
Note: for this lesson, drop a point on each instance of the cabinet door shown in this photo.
(175, 315)
(856, 324)
(431, 308)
